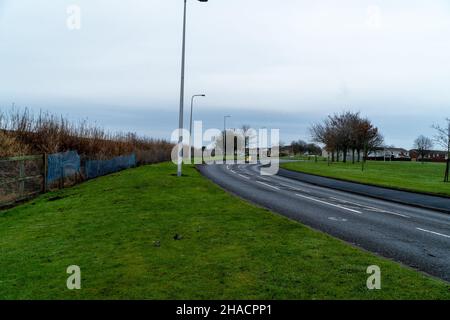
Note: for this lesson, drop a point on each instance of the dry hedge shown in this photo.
(22, 132)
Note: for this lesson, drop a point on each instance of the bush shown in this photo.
(10, 147)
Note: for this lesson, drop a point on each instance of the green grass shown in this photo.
(229, 248)
(303, 158)
(412, 176)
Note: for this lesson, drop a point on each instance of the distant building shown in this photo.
(396, 154)
(326, 154)
(286, 151)
(380, 154)
(430, 156)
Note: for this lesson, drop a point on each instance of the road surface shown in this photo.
(437, 203)
(417, 237)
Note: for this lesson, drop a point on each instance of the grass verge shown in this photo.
(120, 230)
(411, 176)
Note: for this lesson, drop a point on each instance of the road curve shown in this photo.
(417, 237)
(426, 201)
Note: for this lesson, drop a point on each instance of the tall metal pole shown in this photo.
(225, 137)
(190, 122)
(192, 111)
(181, 125)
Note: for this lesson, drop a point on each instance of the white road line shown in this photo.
(328, 203)
(337, 219)
(250, 173)
(268, 185)
(436, 233)
(373, 208)
(245, 177)
(294, 188)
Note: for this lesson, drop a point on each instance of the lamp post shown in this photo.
(181, 125)
(191, 144)
(225, 137)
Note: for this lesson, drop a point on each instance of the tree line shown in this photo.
(303, 147)
(345, 133)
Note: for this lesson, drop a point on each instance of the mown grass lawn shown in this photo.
(229, 249)
(412, 176)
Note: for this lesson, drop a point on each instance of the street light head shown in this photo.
(203, 0)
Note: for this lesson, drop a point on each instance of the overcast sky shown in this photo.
(276, 64)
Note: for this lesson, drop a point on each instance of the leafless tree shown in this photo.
(423, 146)
(245, 131)
(370, 138)
(245, 128)
(325, 134)
(235, 138)
(442, 138)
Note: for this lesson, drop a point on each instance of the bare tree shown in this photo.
(370, 138)
(340, 124)
(442, 138)
(234, 138)
(325, 134)
(245, 128)
(245, 132)
(423, 146)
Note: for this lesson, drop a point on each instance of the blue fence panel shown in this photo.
(97, 168)
(62, 165)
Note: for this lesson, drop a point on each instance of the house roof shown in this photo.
(392, 149)
(430, 151)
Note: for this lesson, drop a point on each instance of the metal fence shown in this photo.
(97, 168)
(63, 169)
(22, 178)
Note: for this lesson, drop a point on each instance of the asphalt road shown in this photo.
(410, 198)
(414, 236)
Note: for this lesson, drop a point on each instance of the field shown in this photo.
(411, 176)
(120, 229)
(304, 158)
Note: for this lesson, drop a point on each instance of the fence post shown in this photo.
(21, 178)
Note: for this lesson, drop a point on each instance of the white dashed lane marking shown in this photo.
(337, 219)
(432, 232)
(329, 204)
(268, 185)
(372, 208)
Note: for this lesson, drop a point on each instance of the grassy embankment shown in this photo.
(412, 176)
(120, 230)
